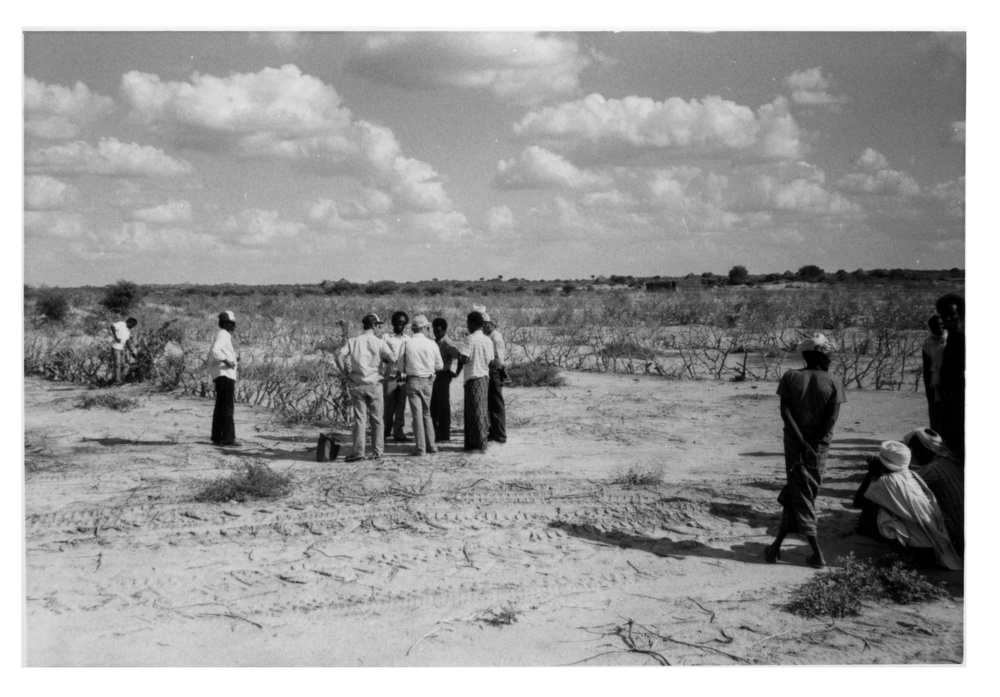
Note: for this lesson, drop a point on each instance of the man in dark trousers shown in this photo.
(222, 369)
(441, 397)
(498, 373)
(951, 383)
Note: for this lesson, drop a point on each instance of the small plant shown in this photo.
(250, 480)
(635, 477)
(108, 400)
(841, 592)
(499, 617)
(534, 375)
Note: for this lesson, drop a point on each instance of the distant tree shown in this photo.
(738, 275)
(810, 272)
(121, 296)
(381, 288)
(841, 275)
(707, 274)
(52, 305)
(568, 288)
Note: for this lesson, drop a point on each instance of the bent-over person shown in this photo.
(362, 359)
(476, 354)
(121, 343)
(441, 395)
(810, 405)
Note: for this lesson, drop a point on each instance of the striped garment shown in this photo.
(803, 480)
(946, 480)
(477, 422)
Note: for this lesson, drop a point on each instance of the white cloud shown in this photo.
(517, 67)
(111, 157)
(710, 126)
(952, 195)
(156, 236)
(538, 168)
(58, 113)
(255, 228)
(811, 88)
(284, 41)
(282, 113)
(164, 214)
(500, 220)
(800, 195)
(875, 177)
(43, 193)
(958, 132)
(67, 226)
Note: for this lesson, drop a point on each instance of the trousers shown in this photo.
(223, 426)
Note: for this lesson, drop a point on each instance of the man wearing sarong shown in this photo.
(909, 516)
(951, 384)
(419, 360)
(441, 395)
(810, 405)
(475, 356)
(498, 373)
(362, 359)
(394, 382)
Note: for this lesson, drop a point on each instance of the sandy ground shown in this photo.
(417, 562)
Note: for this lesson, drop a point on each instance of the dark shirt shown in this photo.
(952, 380)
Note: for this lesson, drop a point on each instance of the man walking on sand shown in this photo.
(810, 405)
(361, 359)
(441, 395)
(419, 360)
(394, 385)
(222, 369)
(121, 343)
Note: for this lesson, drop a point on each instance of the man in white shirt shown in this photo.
(394, 386)
(475, 356)
(222, 361)
(498, 373)
(362, 359)
(420, 359)
(121, 342)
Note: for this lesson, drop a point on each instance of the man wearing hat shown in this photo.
(810, 405)
(498, 371)
(222, 369)
(361, 359)
(420, 359)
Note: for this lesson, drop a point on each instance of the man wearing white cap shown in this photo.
(362, 359)
(420, 359)
(222, 369)
(810, 405)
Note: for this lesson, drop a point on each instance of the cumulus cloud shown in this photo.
(43, 193)
(59, 224)
(811, 88)
(952, 195)
(255, 228)
(710, 126)
(801, 195)
(538, 168)
(160, 236)
(500, 220)
(111, 157)
(958, 132)
(282, 113)
(875, 177)
(55, 112)
(517, 67)
(168, 213)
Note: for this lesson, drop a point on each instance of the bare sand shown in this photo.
(419, 562)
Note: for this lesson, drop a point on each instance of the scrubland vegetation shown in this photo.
(286, 335)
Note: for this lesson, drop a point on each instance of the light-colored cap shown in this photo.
(420, 322)
(817, 342)
(481, 309)
(486, 317)
(894, 455)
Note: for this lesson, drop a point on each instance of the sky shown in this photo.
(298, 156)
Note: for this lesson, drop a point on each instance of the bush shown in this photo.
(738, 275)
(112, 401)
(251, 480)
(121, 296)
(534, 375)
(635, 477)
(52, 305)
(841, 592)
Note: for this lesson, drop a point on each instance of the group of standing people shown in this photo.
(913, 496)
(387, 372)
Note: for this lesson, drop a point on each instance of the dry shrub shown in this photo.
(534, 375)
(250, 480)
(108, 400)
(842, 591)
(637, 476)
(499, 617)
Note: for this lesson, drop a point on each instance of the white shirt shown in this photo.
(222, 349)
(420, 357)
(395, 342)
(499, 347)
(123, 334)
(362, 357)
(478, 348)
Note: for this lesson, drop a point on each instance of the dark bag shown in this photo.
(327, 448)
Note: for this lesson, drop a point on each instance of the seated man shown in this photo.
(909, 516)
(944, 476)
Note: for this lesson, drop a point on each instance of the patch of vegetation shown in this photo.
(842, 591)
(108, 400)
(534, 375)
(52, 305)
(627, 349)
(753, 396)
(499, 617)
(636, 477)
(121, 296)
(250, 480)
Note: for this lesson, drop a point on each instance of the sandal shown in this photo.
(771, 558)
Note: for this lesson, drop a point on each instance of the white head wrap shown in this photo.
(894, 455)
(930, 440)
(817, 342)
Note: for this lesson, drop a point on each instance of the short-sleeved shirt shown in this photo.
(810, 394)
(420, 357)
(123, 334)
(478, 348)
(499, 347)
(449, 353)
(395, 342)
(364, 355)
